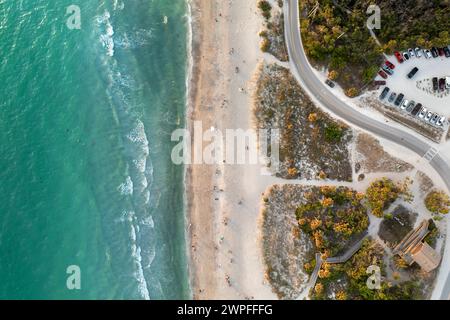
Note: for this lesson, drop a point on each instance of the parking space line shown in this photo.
(430, 154)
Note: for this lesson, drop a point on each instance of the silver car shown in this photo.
(428, 116)
(441, 121)
(427, 54)
(410, 106)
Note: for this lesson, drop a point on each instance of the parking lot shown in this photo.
(419, 89)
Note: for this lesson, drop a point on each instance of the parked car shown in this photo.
(422, 113)
(410, 106)
(405, 55)
(411, 52)
(330, 83)
(389, 64)
(392, 97)
(382, 74)
(434, 52)
(418, 52)
(427, 54)
(434, 118)
(399, 57)
(399, 99)
(447, 82)
(379, 82)
(404, 104)
(387, 70)
(442, 84)
(416, 109)
(413, 72)
(441, 51)
(435, 84)
(384, 93)
(428, 116)
(447, 52)
(441, 121)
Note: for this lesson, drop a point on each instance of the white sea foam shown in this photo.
(138, 135)
(134, 39)
(139, 272)
(126, 216)
(118, 5)
(126, 188)
(130, 216)
(148, 221)
(140, 164)
(106, 38)
(151, 256)
(146, 195)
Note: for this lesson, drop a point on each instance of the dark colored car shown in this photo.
(399, 57)
(441, 51)
(435, 84)
(384, 93)
(413, 72)
(390, 64)
(406, 55)
(416, 109)
(382, 74)
(399, 99)
(392, 97)
(434, 52)
(442, 84)
(379, 82)
(447, 52)
(330, 83)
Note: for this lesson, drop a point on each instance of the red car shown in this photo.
(390, 65)
(382, 74)
(399, 56)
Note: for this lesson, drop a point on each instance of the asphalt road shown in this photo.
(304, 74)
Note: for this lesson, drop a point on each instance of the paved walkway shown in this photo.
(334, 260)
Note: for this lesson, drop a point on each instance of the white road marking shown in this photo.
(431, 153)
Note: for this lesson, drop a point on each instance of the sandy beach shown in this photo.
(224, 200)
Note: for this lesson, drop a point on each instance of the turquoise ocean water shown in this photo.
(85, 171)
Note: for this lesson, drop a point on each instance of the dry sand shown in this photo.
(224, 200)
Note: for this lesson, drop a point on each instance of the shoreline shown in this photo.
(186, 172)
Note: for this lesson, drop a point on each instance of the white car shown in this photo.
(427, 54)
(411, 52)
(404, 105)
(441, 121)
(422, 113)
(418, 52)
(428, 116)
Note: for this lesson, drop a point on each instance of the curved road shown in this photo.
(304, 74)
